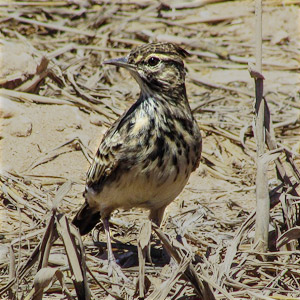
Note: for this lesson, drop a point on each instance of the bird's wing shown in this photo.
(112, 146)
(106, 159)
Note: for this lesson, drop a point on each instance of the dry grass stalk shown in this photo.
(262, 193)
(57, 226)
(201, 288)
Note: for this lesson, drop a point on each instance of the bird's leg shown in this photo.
(108, 239)
(156, 216)
(112, 264)
(143, 246)
(148, 251)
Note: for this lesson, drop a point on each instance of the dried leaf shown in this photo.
(288, 236)
(44, 279)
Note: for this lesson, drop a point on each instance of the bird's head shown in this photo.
(157, 67)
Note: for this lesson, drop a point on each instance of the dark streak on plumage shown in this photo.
(116, 147)
(130, 126)
(187, 125)
(159, 150)
(170, 135)
(175, 164)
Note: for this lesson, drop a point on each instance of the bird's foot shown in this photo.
(114, 270)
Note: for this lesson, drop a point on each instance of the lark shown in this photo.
(145, 159)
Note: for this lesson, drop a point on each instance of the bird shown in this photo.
(146, 157)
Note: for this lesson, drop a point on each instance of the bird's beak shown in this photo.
(120, 62)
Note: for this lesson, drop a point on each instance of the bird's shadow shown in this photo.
(127, 254)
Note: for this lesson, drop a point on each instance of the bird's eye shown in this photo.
(153, 61)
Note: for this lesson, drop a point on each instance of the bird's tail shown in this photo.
(86, 219)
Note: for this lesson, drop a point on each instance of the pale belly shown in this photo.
(138, 190)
